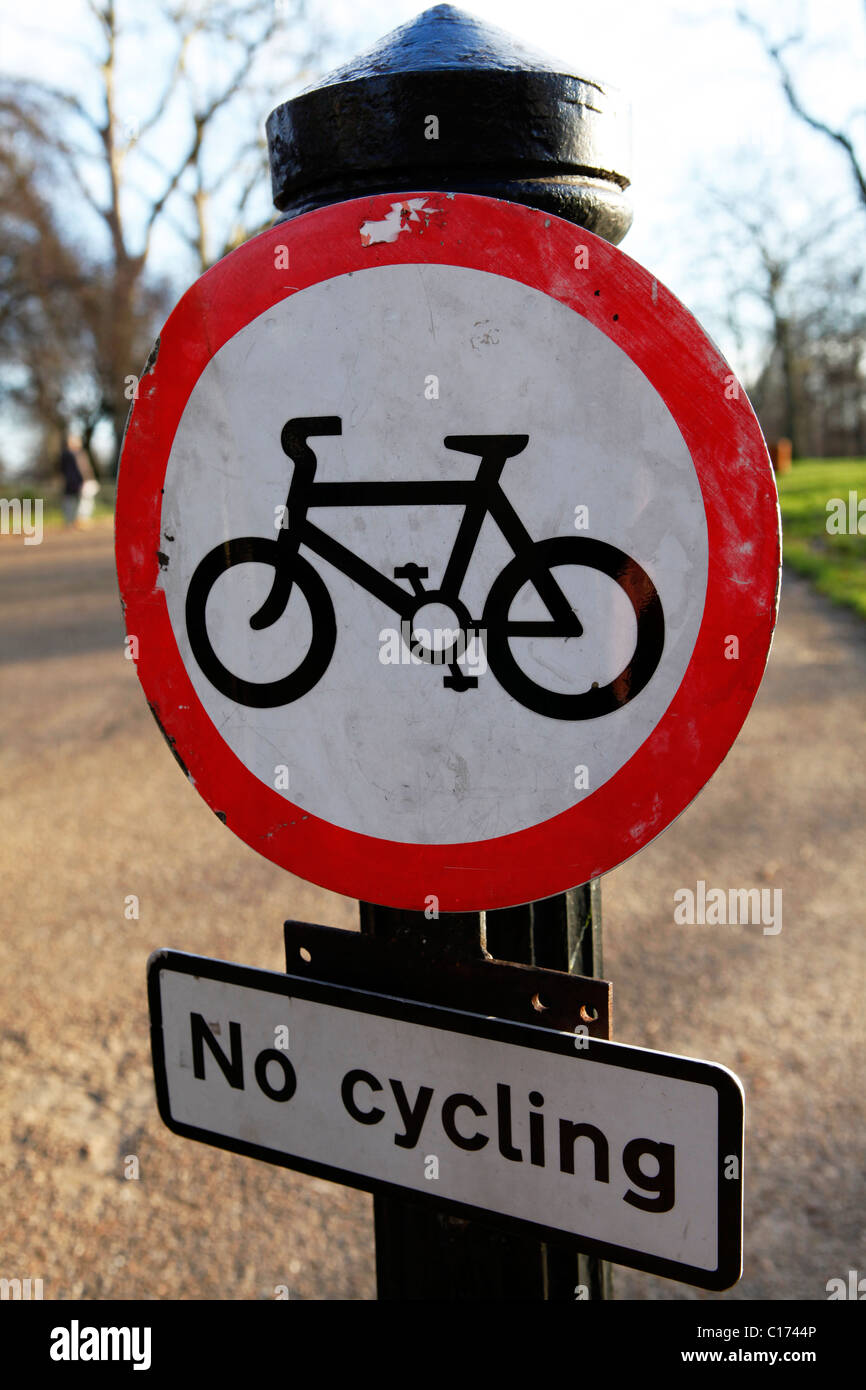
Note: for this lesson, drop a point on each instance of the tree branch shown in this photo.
(202, 119)
(839, 137)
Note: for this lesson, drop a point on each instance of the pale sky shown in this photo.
(700, 89)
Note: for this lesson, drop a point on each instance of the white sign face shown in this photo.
(634, 1154)
(451, 550)
(401, 359)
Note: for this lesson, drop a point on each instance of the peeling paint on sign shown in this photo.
(396, 221)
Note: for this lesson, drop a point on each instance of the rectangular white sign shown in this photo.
(631, 1155)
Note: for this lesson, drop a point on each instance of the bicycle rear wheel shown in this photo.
(501, 630)
(260, 694)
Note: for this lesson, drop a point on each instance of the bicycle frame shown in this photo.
(532, 563)
(480, 496)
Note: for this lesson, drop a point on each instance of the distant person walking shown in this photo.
(79, 485)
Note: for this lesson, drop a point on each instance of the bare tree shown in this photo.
(794, 290)
(166, 168)
(43, 278)
(831, 314)
(776, 51)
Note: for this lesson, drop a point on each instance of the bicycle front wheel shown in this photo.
(501, 630)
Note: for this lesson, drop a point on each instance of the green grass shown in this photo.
(836, 564)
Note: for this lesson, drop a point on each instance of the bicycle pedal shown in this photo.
(460, 682)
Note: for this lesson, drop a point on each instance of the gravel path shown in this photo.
(94, 809)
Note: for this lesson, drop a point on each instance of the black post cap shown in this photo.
(447, 102)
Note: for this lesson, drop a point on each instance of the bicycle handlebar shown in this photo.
(296, 432)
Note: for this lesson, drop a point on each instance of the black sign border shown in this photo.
(730, 1098)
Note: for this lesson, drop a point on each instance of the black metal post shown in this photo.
(511, 124)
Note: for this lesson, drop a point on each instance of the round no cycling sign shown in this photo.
(451, 548)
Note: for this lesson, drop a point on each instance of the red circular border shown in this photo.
(743, 532)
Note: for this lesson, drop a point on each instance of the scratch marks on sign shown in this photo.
(420, 271)
(486, 336)
(170, 741)
(460, 768)
(151, 358)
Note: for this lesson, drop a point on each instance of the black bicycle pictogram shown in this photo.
(533, 563)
